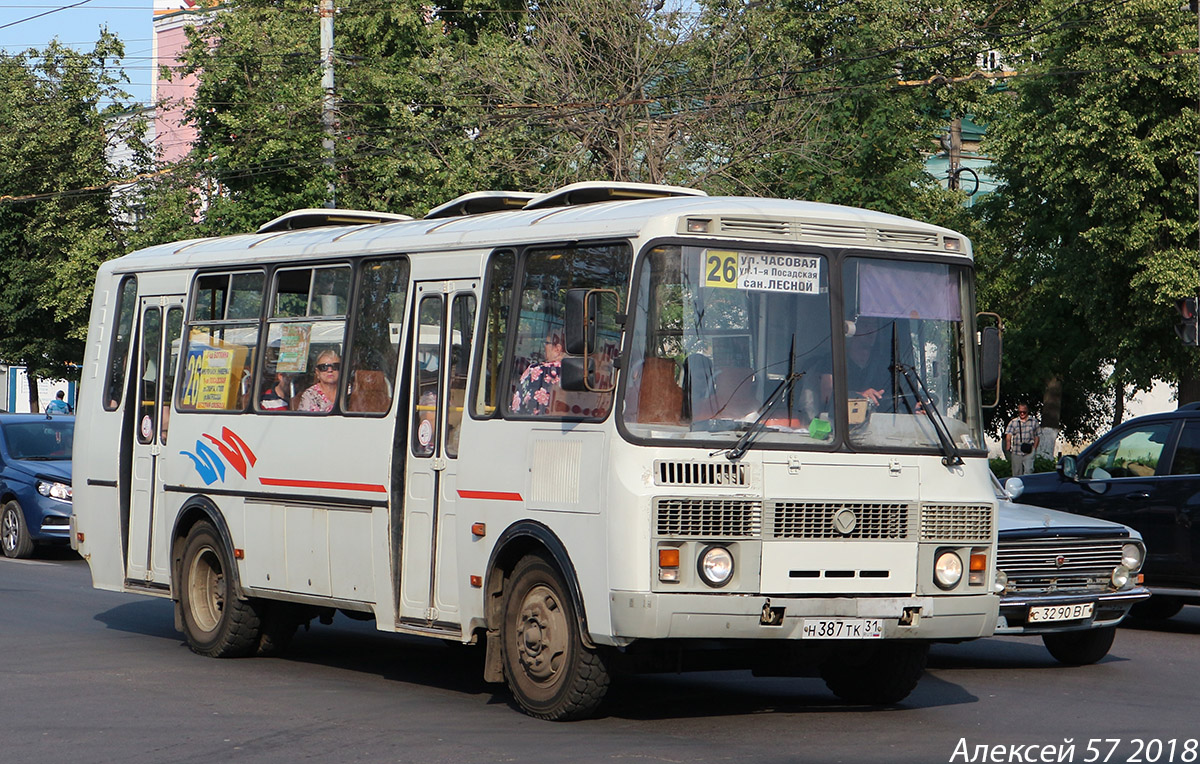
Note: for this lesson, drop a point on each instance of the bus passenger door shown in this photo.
(438, 372)
(158, 354)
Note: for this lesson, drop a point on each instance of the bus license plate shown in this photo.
(842, 628)
(1046, 613)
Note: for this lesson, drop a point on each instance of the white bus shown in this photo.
(610, 428)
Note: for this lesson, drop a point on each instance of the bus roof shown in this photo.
(721, 217)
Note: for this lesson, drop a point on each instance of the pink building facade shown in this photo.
(174, 135)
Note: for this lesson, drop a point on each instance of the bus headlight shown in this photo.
(715, 566)
(947, 570)
(1132, 557)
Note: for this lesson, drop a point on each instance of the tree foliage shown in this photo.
(1094, 230)
(59, 216)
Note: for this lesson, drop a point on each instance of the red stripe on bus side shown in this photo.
(323, 484)
(495, 495)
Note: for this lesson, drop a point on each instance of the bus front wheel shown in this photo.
(551, 673)
(877, 674)
(215, 622)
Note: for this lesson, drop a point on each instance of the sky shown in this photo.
(78, 25)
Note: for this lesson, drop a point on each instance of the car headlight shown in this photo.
(948, 570)
(1001, 584)
(1132, 557)
(60, 491)
(715, 566)
(1120, 577)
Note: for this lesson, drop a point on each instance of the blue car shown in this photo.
(35, 481)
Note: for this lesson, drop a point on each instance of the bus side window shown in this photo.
(488, 385)
(306, 326)
(222, 339)
(378, 322)
(119, 354)
(533, 388)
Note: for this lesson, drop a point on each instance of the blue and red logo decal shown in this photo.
(231, 450)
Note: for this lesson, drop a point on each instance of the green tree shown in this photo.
(59, 216)
(1094, 230)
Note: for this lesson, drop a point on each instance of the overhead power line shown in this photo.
(47, 13)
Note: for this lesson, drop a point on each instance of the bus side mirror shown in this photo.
(573, 376)
(581, 321)
(588, 309)
(990, 342)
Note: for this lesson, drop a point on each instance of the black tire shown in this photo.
(215, 622)
(551, 673)
(877, 674)
(14, 535)
(1157, 608)
(1080, 648)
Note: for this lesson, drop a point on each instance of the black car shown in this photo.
(1145, 474)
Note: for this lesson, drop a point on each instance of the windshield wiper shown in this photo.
(951, 457)
(739, 448)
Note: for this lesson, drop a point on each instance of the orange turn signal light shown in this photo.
(479, 529)
(978, 561)
(477, 581)
(668, 558)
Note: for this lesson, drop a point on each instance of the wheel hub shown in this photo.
(541, 634)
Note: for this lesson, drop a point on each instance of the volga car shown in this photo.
(1067, 578)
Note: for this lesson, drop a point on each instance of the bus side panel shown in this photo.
(553, 476)
(314, 517)
(96, 504)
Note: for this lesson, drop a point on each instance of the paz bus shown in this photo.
(609, 428)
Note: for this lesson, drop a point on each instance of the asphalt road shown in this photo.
(98, 677)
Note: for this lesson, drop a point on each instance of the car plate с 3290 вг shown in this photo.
(1044, 613)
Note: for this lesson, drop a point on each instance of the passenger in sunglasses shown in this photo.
(320, 396)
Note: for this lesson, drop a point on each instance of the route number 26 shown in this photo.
(721, 269)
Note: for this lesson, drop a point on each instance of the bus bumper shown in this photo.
(641, 615)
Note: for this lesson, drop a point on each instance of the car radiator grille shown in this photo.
(740, 518)
(815, 520)
(1058, 564)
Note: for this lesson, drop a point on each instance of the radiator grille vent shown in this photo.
(700, 473)
(1058, 557)
(821, 520)
(956, 522)
(708, 517)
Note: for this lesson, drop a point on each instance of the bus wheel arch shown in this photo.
(520, 540)
(537, 633)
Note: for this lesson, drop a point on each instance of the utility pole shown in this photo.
(955, 153)
(328, 113)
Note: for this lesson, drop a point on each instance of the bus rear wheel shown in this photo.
(215, 622)
(551, 673)
(876, 674)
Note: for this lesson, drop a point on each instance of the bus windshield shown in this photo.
(724, 338)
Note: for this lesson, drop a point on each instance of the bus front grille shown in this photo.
(835, 520)
(709, 518)
(956, 522)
